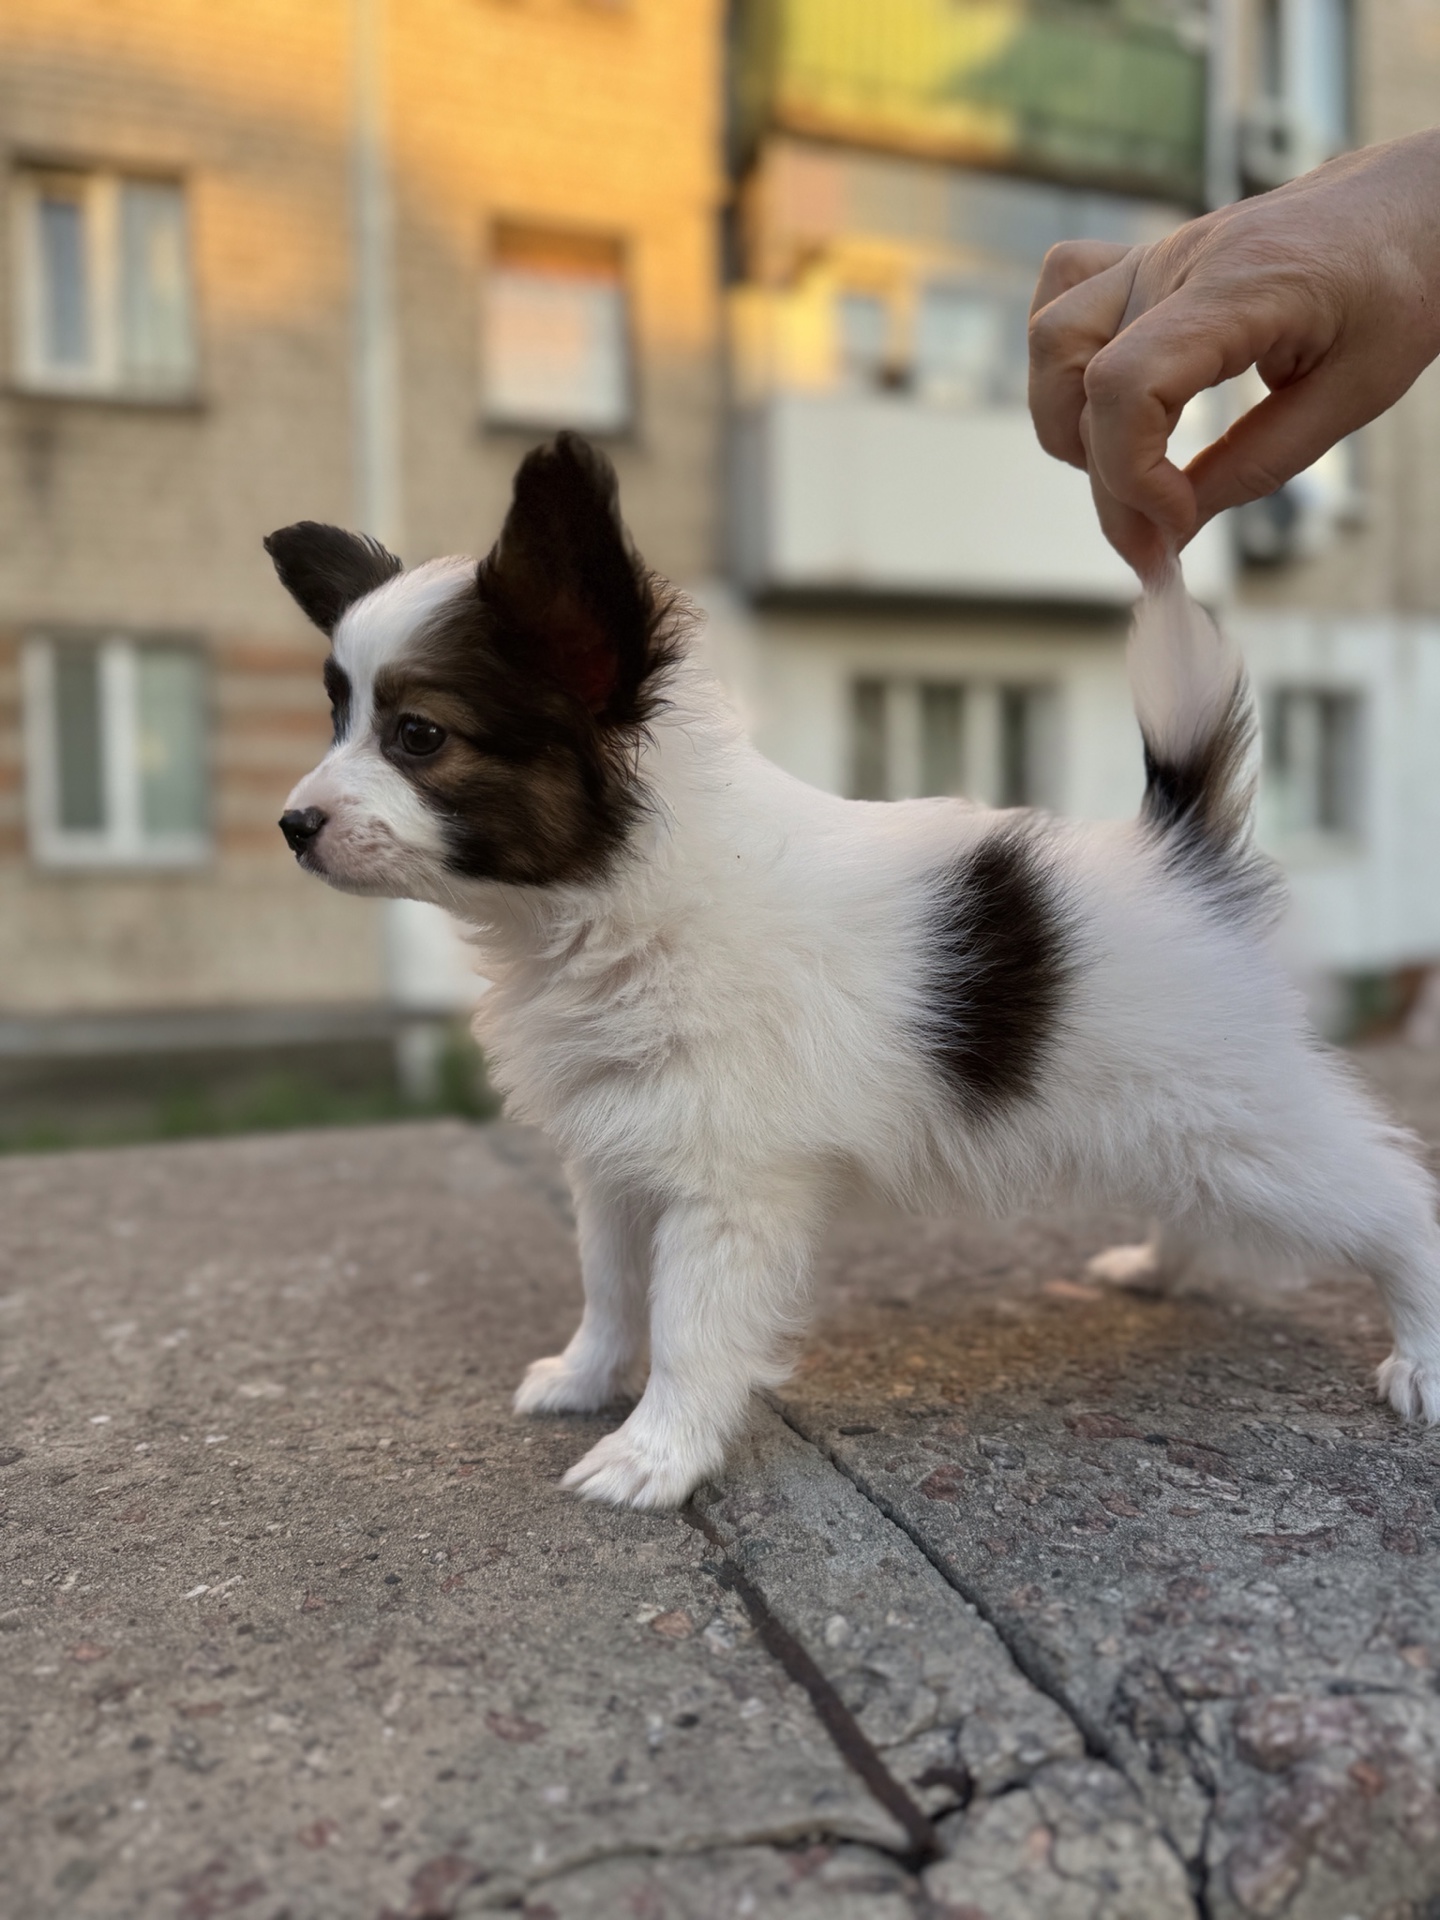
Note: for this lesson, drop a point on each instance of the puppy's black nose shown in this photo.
(300, 826)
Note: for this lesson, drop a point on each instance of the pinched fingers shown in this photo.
(1067, 331)
(1136, 388)
(1148, 548)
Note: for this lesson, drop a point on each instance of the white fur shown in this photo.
(1183, 669)
(721, 1038)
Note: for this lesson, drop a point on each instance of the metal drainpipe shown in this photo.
(377, 475)
(1222, 116)
(420, 1035)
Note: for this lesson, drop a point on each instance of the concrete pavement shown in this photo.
(1023, 1599)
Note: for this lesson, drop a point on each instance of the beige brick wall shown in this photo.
(1392, 558)
(150, 518)
(603, 117)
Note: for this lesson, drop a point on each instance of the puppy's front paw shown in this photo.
(633, 1467)
(1411, 1386)
(555, 1385)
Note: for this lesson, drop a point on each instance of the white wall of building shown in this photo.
(790, 674)
(1366, 901)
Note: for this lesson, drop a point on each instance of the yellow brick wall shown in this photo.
(150, 518)
(592, 116)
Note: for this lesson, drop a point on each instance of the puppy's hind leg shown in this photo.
(1344, 1184)
(615, 1228)
(1155, 1266)
(1406, 1266)
(1401, 1251)
(1383, 1221)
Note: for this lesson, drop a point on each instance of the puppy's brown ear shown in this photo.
(572, 599)
(326, 570)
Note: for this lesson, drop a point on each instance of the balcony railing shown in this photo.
(1094, 91)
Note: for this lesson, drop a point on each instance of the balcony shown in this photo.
(888, 495)
(1090, 91)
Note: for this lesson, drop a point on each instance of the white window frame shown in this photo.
(99, 191)
(1319, 843)
(981, 744)
(506, 416)
(123, 841)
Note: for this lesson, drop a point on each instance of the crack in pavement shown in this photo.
(478, 1897)
(1026, 1658)
(844, 1730)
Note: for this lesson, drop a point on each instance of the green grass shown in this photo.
(175, 1101)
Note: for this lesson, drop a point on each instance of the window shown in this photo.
(556, 343)
(1027, 747)
(862, 323)
(942, 739)
(1303, 106)
(1312, 762)
(870, 750)
(964, 345)
(1270, 57)
(103, 283)
(116, 751)
(918, 738)
(1304, 59)
(969, 349)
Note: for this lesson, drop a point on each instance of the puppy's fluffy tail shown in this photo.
(1197, 719)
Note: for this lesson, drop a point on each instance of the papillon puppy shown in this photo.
(732, 1001)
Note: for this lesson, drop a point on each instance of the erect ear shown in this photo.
(327, 569)
(572, 598)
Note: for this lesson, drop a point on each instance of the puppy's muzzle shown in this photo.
(300, 826)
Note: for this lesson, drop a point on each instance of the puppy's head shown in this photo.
(486, 717)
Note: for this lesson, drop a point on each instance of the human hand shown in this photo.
(1329, 287)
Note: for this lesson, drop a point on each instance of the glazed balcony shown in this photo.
(888, 495)
(1097, 92)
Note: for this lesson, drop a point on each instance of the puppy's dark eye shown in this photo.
(419, 736)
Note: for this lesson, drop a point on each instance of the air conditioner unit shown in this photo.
(1276, 145)
(1299, 520)
(1269, 532)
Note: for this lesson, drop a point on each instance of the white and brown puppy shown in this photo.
(730, 999)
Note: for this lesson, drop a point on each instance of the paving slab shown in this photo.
(295, 1617)
(934, 1692)
(1189, 1520)
(805, 1883)
(1025, 1597)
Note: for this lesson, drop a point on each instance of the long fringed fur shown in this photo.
(763, 997)
(1197, 720)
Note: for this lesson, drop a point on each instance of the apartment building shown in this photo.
(927, 603)
(344, 261)
(1338, 597)
(348, 260)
